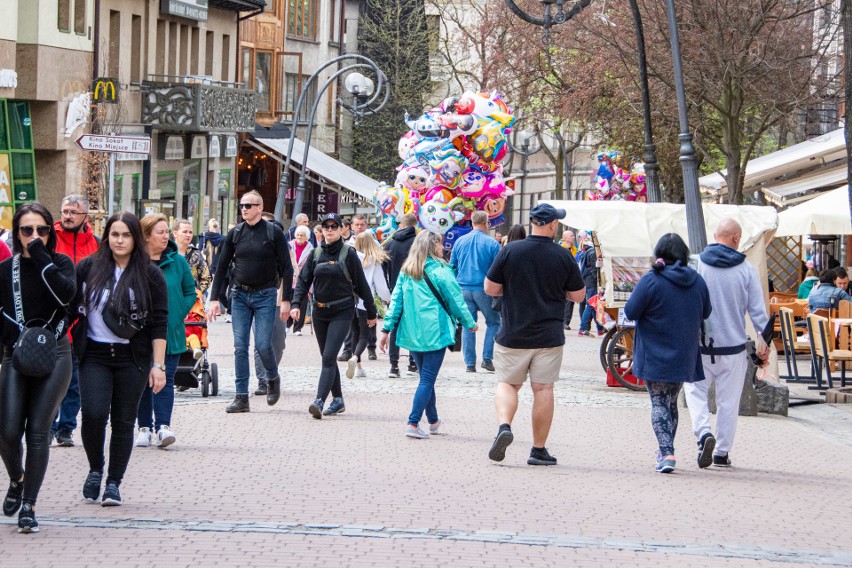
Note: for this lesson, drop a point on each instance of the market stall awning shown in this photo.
(827, 214)
(321, 165)
(799, 157)
(806, 187)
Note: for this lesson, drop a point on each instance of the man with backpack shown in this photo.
(261, 265)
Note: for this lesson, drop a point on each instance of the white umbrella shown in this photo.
(827, 214)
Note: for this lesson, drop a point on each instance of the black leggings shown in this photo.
(27, 406)
(330, 335)
(111, 386)
(361, 332)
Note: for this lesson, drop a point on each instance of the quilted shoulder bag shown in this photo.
(34, 352)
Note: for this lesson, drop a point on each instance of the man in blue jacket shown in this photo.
(471, 258)
(734, 289)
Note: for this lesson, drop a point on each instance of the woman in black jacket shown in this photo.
(335, 285)
(120, 289)
(28, 404)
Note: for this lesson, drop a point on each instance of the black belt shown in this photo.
(255, 289)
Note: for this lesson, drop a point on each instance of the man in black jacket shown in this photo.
(397, 248)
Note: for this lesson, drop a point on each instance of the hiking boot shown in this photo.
(345, 356)
(316, 409)
(412, 367)
(165, 437)
(371, 353)
(27, 522)
(488, 365)
(111, 498)
(706, 445)
(240, 404)
(394, 373)
(261, 388)
(12, 502)
(501, 442)
(143, 440)
(336, 407)
(722, 461)
(273, 393)
(416, 432)
(64, 439)
(92, 486)
(540, 456)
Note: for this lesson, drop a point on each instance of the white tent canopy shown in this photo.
(827, 214)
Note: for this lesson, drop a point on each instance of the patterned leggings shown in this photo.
(664, 413)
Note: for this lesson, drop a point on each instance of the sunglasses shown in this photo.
(331, 227)
(248, 205)
(27, 231)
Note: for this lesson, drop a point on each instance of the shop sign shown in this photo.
(172, 147)
(199, 147)
(105, 90)
(325, 201)
(191, 9)
(214, 149)
(231, 147)
(8, 79)
(126, 157)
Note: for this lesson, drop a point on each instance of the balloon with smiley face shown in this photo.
(437, 216)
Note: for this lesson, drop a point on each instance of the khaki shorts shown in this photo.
(513, 365)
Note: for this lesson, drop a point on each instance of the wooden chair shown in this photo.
(823, 352)
(775, 308)
(793, 346)
(781, 297)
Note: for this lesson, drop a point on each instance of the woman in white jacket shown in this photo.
(372, 257)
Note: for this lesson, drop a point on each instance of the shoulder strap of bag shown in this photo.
(341, 259)
(19, 304)
(437, 295)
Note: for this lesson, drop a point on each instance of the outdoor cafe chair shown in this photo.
(793, 345)
(823, 352)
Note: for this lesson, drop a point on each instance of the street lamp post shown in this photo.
(525, 151)
(364, 104)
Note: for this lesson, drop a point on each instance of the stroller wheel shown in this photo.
(205, 383)
(214, 379)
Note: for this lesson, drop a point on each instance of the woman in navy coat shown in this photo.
(668, 305)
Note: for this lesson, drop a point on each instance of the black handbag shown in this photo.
(457, 346)
(34, 353)
(123, 326)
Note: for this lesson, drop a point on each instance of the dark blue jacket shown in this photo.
(668, 308)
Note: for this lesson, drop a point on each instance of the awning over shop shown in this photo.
(803, 157)
(807, 186)
(321, 165)
(827, 214)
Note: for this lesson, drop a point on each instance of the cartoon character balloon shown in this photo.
(437, 216)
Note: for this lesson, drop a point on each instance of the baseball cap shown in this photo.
(331, 217)
(545, 213)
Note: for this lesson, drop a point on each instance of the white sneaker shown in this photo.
(350, 367)
(360, 373)
(299, 333)
(197, 353)
(143, 440)
(416, 432)
(165, 437)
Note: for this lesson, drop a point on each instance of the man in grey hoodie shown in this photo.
(734, 290)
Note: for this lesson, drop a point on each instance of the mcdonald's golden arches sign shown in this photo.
(105, 90)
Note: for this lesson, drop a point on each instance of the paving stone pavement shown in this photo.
(276, 487)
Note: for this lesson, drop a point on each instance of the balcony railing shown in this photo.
(195, 104)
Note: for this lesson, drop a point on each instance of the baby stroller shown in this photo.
(194, 368)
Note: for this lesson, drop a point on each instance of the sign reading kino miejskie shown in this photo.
(192, 9)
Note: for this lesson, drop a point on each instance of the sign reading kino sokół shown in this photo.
(192, 9)
(126, 144)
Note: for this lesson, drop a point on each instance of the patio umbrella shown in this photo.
(827, 214)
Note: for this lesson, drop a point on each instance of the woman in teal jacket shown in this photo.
(155, 410)
(422, 324)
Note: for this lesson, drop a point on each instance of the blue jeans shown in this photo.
(155, 410)
(66, 419)
(258, 307)
(477, 300)
(429, 363)
(589, 315)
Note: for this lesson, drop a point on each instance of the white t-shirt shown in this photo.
(98, 330)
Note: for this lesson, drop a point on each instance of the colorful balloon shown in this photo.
(437, 216)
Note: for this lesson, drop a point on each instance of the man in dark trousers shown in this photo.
(301, 220)
(75, 239)
(397, 248)
(261, 265)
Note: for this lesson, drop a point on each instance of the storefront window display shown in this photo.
(17, 162)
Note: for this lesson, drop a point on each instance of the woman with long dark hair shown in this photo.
(668, 305)
(45, 282)
(123, 311)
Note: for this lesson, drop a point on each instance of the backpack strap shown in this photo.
(235, 239)
(341, 259)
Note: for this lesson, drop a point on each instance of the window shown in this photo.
(302, 19)
(135, 48)
(64, 17)
(173, 48)
(334, 22)
(166, 185)
(114, 42)
(433, 28)
(226, 58)
(80, 17)
(161, 47)
(270, 6)
(292, 90)
(17, 162)
(208, 54)
(263, 79)
(246, 78)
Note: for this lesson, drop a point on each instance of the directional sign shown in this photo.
(126, 144)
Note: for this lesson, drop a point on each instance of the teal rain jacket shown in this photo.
(181, 288)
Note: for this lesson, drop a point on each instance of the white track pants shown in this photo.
(729, 373)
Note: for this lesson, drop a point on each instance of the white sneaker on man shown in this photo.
(165, 437)
(143, 440)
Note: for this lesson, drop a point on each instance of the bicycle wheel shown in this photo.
(605, 345)
(620, 357)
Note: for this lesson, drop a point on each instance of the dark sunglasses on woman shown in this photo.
(27, 231)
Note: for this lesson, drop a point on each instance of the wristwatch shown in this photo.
(160, 366)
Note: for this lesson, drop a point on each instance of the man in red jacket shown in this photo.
(75, 239)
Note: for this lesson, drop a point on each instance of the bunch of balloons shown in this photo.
(450, 167)
(617, 179)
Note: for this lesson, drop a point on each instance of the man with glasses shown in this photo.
(74, 239)
(261, 264)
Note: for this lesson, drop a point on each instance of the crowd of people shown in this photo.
(125, 298)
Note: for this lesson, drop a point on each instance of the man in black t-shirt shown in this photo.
(535, 277)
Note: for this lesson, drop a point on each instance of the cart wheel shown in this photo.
(620, 357)
(205, 383)
(214, 379)
(605, 345)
